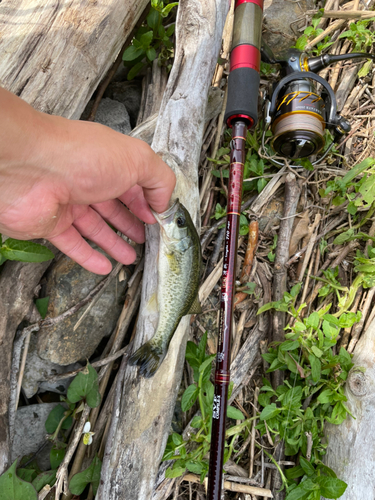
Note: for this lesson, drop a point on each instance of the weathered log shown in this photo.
(132, 457)
(53, 54)
(351, 452)
(17, 286)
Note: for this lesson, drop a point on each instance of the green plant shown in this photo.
(151, 40)
(25, 481)
(191, 454)
(23, 251)
(312, 393)
(360, 35)
(271, 255)
(312, 32)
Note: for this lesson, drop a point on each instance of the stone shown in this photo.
(67, 284)
(37, 370)
(113, 114)
(282, 22)
(129, 94)
(30, 433)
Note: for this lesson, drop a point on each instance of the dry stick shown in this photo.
(320, 235)
(252, 443)
(111, 73)
(238, 333)
(292, 194)
(230, 486)
(349, 14)
(22, 367)
(227, 42)
(310, 246)
(62, 472)
(96, 364)
(248, 260)
(358, 327)
(306, 286)
(345, 251)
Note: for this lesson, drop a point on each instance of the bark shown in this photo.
(351, 452)
(141, 429)
(54, 54)
(17, 284)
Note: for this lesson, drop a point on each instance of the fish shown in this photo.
(179, 266)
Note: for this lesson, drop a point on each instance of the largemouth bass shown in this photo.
(178, 281)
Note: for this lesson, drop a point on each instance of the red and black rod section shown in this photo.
(241, 114)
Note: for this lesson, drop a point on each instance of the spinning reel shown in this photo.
(296, 113)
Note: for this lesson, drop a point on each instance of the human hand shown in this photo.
(63, 180)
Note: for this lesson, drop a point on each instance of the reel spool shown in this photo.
(299, 122)
(296, 113)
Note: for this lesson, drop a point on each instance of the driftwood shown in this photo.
(54, 54)
(142, 425)
(17, 286)
(350, 451)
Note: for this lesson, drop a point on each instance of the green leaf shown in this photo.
(367, 190)
(365, 69)
(234, 413)
(297, 494)
(85, 387)
(26, 474)
(313, 320)
(269, 411)
(146, 39)
(153, 19)
(189, 397)
(315, 367)
(318, 353)
(201, 349)
(343, 237)
(289, 345)
(42, 306)
(90, 475)
(151, 53)
(25, 251)
(48, 477)
(56, 456)
(135, 70)
(206, 363)
(302, 42)
(177, 472)
(168, 8)
(307, 466)
(14, 488)
(132, 53)
(169, 32)
(331, 487)
(197, 422)
(194, 466)
(54, 418)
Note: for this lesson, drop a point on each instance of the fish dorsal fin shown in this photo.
(195, 307)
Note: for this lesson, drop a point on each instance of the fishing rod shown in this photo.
(240, 115)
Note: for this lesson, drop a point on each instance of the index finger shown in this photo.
(158, 181)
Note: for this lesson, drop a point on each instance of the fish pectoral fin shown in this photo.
(173, 263)
(152, 304)
(195, 307)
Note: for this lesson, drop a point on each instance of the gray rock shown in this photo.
(113, 114)
(30, 433)
(279, 18)
(67, 284)
(129, 94)
(37, 370)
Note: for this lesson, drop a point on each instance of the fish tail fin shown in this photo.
(148, 357)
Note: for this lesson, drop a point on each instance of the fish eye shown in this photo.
(180, 221)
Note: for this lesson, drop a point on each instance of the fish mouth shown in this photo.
(167, 216)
